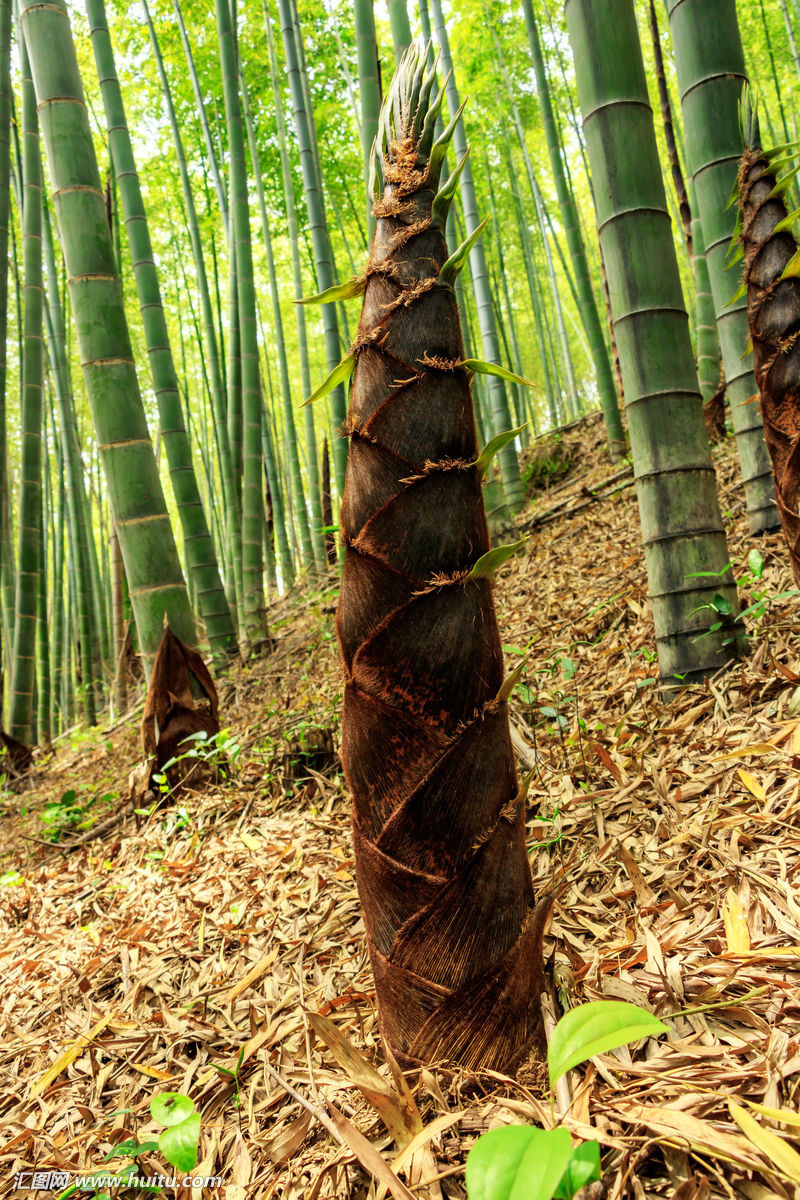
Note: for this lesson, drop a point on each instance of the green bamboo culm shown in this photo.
(254, 606)
(709, 367)
(401, 27)
(214, 361)
(201, 558)
(498, 396)
(320, 236)
(6, 557)
(369, 89)
(682, 528)
(313, 550)
(590, 316)
(137, 500)
(77, 504)
(29, 534)
(711, 71)
(312, 469)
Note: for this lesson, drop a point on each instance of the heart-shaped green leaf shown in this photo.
(179, 1143)
(517, 1162)
(170, 1108)
(594, 1028)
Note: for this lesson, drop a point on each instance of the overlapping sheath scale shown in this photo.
(773, 309)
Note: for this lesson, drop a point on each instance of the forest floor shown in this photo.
(183, 951)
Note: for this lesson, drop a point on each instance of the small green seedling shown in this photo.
(522, 1162)
(177, 1143)
(234, 1075)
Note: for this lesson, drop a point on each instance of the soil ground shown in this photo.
(188, 950)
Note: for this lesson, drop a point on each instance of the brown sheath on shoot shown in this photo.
(772, 281)
(438, 815)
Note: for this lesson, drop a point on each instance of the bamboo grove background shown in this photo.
(251, 125)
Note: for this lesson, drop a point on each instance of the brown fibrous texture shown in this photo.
(773, 306)
(171, 712)
(454, 935)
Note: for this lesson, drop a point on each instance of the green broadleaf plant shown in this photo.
(522, 1162)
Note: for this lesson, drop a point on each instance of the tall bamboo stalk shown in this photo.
(682, 528)
(6, 563)
(255, 613)
(29, 554)
(148, 546)
(320, 236)
(497, 394)
(369, 88)
(201, 559)
(290, 428)
(312, 466)
(401, 27)
(214, 354)
(589, 313)
(77, 504)
(710, 63)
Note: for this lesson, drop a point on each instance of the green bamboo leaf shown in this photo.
(517, 1162)
(594, 1028)
(748, 116)
(429, 124)
(490, 368)
(737, 256)
(340, 374)
(736, 235)
(179, 1143)
(456, 260)
(376, 181)
(442, 143)
(784, 182)
(494, 447)
(792, 268)
(782, 148)
(788, 223)
(734, 196)
(493, 560)
(444, 197)
(341, 291)
(170, 1108)
(740, 292)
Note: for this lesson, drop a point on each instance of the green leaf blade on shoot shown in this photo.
(739, 294)
(493, 560)
(341, 373)
(179, 1143)
(755, 561)
(792, 268)
(493, 447)
(170, 1108)
(594, 1028)
(788, 223)
(444, 197)
(457, 259)
(518, 1162)
(341, 291)
(490, 368)
(784, 183)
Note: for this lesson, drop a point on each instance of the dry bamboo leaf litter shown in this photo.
(144, 959)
